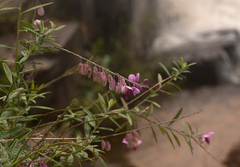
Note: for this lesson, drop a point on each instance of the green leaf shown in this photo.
(7, 72)
(121, 127)
(23, 59)
(176, 116)
(162, 130)
(184, 125)
(87, 128)
(60, 27)
(102, 102)
(124, 103)
(36, 7)
(111, 103)
(70, 159)
(12, 131)
(88, 112)
(170, 83)
(160, 80)
(23, 135)
(190, 128)
(154, 103)
(11, 8)
(43, 107)
(154, 134)
(5, 46)
(56, 44)
(176, 138)
(129, 119)
(168, 93)
(115, 122)
(169, 139)
(150, 111)
(166, 70)
(90, 120)
(104, 128)
(27, 24)
(102, 161)
(15, 92)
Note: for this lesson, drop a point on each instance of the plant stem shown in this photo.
(18, 28)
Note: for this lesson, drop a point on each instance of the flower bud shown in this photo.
(103, 143)
(118, 88)
(95, 73)
(111, 82)
(145, 81)
(135, 134)
(80, 68)
(41, 11)
(108, 146)
(103, 79)
(89, 72)
(35, 23)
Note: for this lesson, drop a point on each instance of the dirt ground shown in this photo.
(220, 107)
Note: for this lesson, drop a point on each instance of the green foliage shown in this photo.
(21, 94)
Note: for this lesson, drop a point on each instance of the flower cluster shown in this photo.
(205, 138)
(131, 140)
(106, 145)
(120, 87)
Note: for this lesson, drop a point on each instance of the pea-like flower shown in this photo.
(41, 11)
(131, 140)
(111, 82)
(106, 145)
(205, 138)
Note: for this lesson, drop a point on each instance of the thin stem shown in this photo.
(18, 28)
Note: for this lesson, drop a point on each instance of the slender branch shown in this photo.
(17, 41)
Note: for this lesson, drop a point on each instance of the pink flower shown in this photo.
(41, 11)
(205, 138)
(131, 140)
(106, 145)
(134, 78)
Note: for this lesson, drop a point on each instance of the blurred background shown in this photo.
(130, 36)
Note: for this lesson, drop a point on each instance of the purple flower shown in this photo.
(41, 11)
(135, 91)
(205, 138)
(106, 145)
(134, 78)
(131, 140)
(103, 143)
(44, 165)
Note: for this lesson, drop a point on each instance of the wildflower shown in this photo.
(129, 92)
(103, 78)
(205, 138)
(95, 73)
(35, 23)
(89, 73)
(80, 68)
(131, 140)
(44, 165)
(103, 143)
(41, 11)
(134, 78)
(135, 91)
(118, 88)
(106, 145)
(111, 82)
